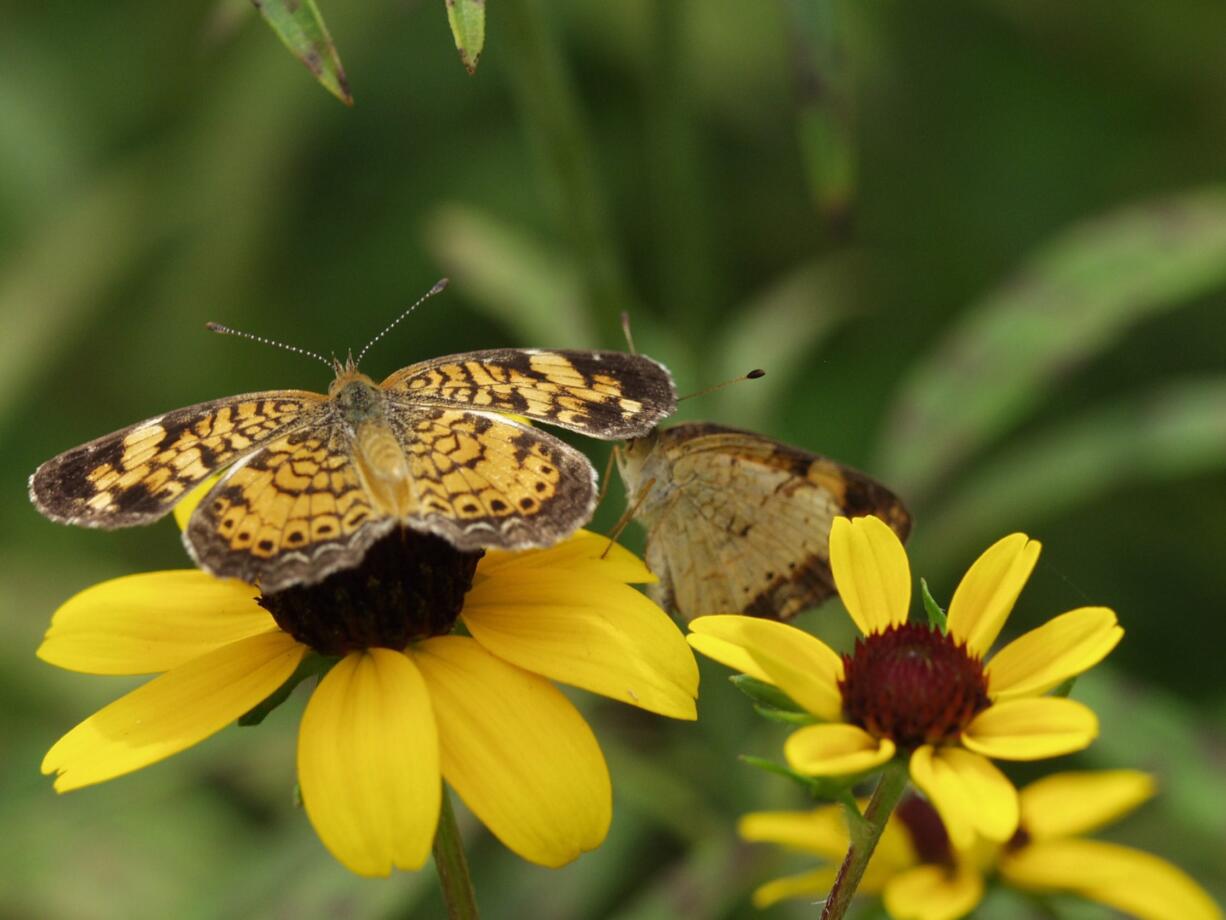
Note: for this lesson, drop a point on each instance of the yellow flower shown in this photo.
(921, 877)
(385, 723)
(914, 691)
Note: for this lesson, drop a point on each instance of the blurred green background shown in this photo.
(980, 249)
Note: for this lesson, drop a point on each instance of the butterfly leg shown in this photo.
(628, 515)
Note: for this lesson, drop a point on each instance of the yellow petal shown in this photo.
(835, 750)
(368, 763)
(587, 554)
(599, 635)
(733, 656)
(988, 590)
(517, 752)
(145, 624)
(1046, 657)
(174, 711)
(1065, 804)
(183, 510)
(1136, 883)
(821, 831)
(932, 892)
(968, 792)
(800, 665)
(871, 572)
(1031, 729)
(814, 885)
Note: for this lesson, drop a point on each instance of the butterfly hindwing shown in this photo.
(487, 481)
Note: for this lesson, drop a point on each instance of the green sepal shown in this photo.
(784, 716)
(825, 788)
(310, 666)
(764, 694)
(300, 26)
(936, 616)
(1064, 689)
(467, 21)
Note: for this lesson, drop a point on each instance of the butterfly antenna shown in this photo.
(438, 288)
(752, 375)
(226, 330)
(626, 332)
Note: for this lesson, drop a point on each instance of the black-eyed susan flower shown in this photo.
(921, 876)
(913, 691)
(408, 700)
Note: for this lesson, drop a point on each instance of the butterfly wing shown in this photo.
(604, 394)
(483, 480)
(740, 523)
(137, 474)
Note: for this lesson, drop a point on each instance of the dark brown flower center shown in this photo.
(409, 586)
(927, 832)
(913, 685)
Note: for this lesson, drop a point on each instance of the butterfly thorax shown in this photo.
(361, 408)
(643, 467)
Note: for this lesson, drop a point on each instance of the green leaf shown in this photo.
(784, 716)
(300, 26)
(467, 20)
(764, 694)
(936, 616)
(309, 667)
(1070, 302)
(1168, 433)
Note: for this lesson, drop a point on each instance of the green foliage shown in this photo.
(467, 21)
(1021, 310)
(299, 24)
(936, 616)
(1072, 300)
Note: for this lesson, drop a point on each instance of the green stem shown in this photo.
(687, 278)
(546, 100)
(864, 837)
(452, 865)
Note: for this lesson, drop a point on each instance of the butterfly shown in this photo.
(314, 480)
(740, 523)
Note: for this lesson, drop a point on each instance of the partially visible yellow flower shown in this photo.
(921, 877)
(910, 690)
(1049, 854)
(393, 717)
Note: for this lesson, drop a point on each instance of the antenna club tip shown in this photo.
(214, 327)
(440, 285)
(755, 374)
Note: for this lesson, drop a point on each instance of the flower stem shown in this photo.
(864, 837)
(544, 92)
(452, 865)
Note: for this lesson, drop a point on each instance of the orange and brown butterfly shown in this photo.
(314, 480)
(740, 523)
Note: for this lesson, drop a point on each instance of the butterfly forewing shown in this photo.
(137, 474)
(740, 523)
(604, 394)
